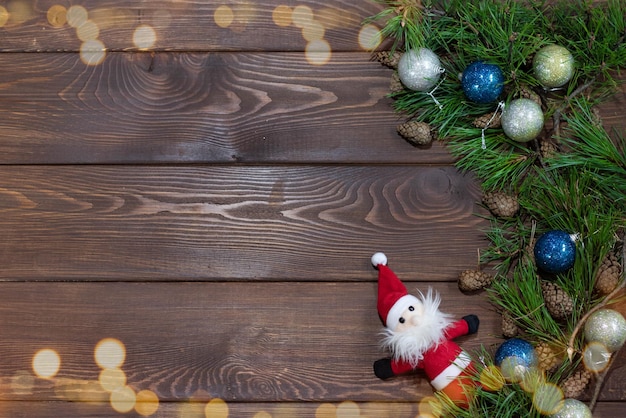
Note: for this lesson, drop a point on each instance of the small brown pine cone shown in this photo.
(501, 204)
(527, 93)
(509, 327)
(548, 149)
(558, 302)
(609, 274)
(387, 58)
(488, 120)
(574, 386)
(417, 133)
(395, 86)
(549, 357)
(472, 280)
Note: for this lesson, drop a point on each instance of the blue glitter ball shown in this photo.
(482, 82)
(555, 252)
(516, 347)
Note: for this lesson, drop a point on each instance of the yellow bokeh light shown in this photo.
(46, 363)
(190, 410)
(429, 406)
(147, 403)
(22, 383)
(76, 16)
(92, 52)
(348, 409)
(326, 410)
(313, 31)
(4, 16)
(548, 398)
(596, 357)
(223, 16)
(491, 378)
(318, 52)
(123, 399)
(88, 31)
(144, 37)
(110, 353)
(369, 37)
(57, 16)
(301, 16)
(282, 15)
(112, 379)
(262, 414)
(216, 408)
(20, 11)
(532, 379)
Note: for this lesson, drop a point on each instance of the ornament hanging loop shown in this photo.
(482, 133)
(431, 93)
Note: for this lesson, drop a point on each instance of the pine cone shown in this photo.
(558, 302)
(527, 93)
(387, 58)
(575, 384)
(417, 133)
(548, 356)
(396, 86)
(509, 327)
(501, 204)
(609, 274)
(482, 121)
(472, 280)
(548, 149)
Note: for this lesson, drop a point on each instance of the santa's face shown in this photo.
(411, 317)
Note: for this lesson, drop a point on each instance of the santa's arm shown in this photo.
(467, 325)
(387, 367)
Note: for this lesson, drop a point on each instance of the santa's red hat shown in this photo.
(393, 298)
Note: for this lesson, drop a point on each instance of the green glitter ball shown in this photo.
(608, 327)
(553, 65)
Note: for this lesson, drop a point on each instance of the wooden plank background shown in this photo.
(211, 201)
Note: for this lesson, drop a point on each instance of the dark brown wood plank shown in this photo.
(183, 25)
(195, 108)
(376, 409)
(263, 342)
(236, 223)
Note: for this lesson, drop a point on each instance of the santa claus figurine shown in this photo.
(420, 336)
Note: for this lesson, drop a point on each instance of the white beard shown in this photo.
(411, 344)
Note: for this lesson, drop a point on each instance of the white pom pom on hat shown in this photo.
(378, 259)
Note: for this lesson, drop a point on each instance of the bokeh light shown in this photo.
(57, 16)
(326, 410)
(19, 11)
(22, 382)
(110, 353)
(318, 52)
(369, 37)
(282, 15)
(112, 379)
(46, 363)
(123, 399)
(216, 408)
(596, 357)
(88, 31)
(301, 16)
(144, 37)
(348, 409)
(429, 406)
(76, 16)
(262, 414)
(532, 379)
(4, 16)
(313, 31)
(92, 52)
(223, 16)
(147, 403)
(548, 398)
(513, 369)
(491, 378)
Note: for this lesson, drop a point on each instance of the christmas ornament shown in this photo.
(482, 82)
(553, 66)
(555, 251)
(608, 327)
(572, 408)
(420, 336)
(522, 120)
(516, 347)
(419, 69)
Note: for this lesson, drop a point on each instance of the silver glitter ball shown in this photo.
(522, 120)
(419, 69)
(572, 408)
(553, 65)
(608, 327)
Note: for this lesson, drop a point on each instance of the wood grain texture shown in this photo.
(235, 223)
(199, 107)
(192, 26)
(376, 409)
